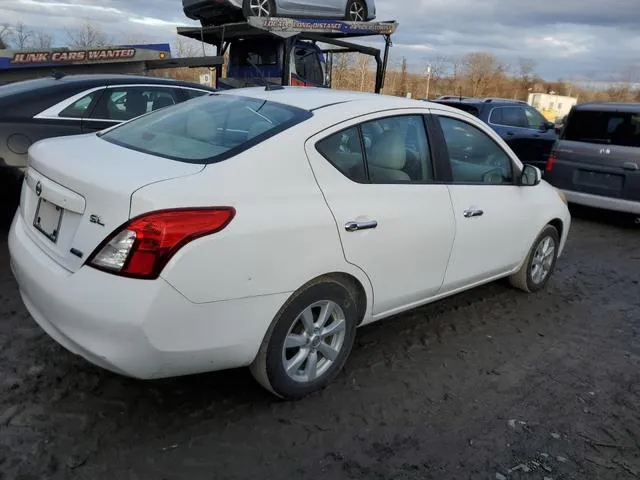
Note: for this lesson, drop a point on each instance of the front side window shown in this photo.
(207, 129)
(534, 118)
(475, 157)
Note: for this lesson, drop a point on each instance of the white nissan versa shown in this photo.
(261, 228)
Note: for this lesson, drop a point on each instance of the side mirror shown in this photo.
(546, 126)
(531, 176)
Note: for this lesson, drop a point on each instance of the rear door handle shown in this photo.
(472, 212)
(356, 226)
(630, 166)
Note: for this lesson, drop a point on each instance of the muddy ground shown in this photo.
(490, 384)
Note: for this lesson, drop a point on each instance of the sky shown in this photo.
(579, 40)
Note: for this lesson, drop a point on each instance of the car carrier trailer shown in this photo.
(279, 45)
(16, 65)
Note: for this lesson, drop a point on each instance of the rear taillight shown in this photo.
(551, 162)
(142, 247)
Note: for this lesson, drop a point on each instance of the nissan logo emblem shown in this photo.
(39, 188)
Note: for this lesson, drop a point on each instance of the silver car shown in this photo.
(216, 12)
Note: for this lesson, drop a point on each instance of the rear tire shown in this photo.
(540, 263)
(356, 11)
(301, 354)
(259, 8)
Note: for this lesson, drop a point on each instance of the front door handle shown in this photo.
(356, 226)
(630, 166)
(472, 212)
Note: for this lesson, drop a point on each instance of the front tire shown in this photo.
(259, 8)
(309, 341)
(356, 11)
(534, 274)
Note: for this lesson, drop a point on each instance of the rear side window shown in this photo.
(607, 128)
(207, 129)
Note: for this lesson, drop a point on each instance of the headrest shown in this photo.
(389, 151)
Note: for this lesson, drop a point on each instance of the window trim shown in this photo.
(516, 165)
(53, 112)
(435, 169)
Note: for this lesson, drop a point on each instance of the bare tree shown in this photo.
(5, 33)
(186, 47)
(21, 36)
(526, 74)
(480, 69)
(42, 40)
(403, 88)
(363, 66)
(87, 35)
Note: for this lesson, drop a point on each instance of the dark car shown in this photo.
(596, 160)
(524, 129)
(56, 106)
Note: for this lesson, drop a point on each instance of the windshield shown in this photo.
(609, 128)
(206, 129)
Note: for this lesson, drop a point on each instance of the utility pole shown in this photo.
(428, 80)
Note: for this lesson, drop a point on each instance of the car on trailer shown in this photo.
(219, 12)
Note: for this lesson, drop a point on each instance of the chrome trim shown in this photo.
(357, 226)
(53, 112)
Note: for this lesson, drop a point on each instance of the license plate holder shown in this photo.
(48, 219)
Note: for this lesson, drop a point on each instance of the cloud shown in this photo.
(567, 38)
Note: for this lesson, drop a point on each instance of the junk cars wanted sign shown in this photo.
(66, 56)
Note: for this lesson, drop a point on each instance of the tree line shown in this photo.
(477, 74)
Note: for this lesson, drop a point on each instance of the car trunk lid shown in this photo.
(77, 190)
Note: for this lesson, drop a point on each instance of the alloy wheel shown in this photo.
(543, 260)
(356, 12)
(314, 341)
(260, 8)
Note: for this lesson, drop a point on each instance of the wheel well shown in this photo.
(357, 290)
(558, 225)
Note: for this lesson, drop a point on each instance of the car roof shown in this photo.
(100, 78)
(312, 98)
(609, 107)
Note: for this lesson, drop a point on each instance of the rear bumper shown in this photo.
(141, 329)
(606, 203)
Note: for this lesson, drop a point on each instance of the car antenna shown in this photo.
(267, 86)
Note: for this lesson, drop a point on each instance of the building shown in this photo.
(552, 106)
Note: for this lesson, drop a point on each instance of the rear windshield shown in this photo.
(609, 128)
(206, 129)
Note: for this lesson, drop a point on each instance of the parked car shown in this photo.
(596, 161)
(524, 129)
(54, 106)
(218, 12)
(262, 228)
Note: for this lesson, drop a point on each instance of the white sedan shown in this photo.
(262, 228)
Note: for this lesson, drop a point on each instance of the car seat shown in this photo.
(387, 158)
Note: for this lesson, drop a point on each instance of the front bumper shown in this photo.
(137, 328)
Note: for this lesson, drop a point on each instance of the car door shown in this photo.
(542, 136)
(511, 124)
(313, 8)
(121, 103)
(395, 222)
(490, 209)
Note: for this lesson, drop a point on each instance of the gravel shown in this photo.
(492, 383)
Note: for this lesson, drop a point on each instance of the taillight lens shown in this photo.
(551, 162)
(143, 246)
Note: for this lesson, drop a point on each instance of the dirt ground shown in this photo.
(491, 384)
